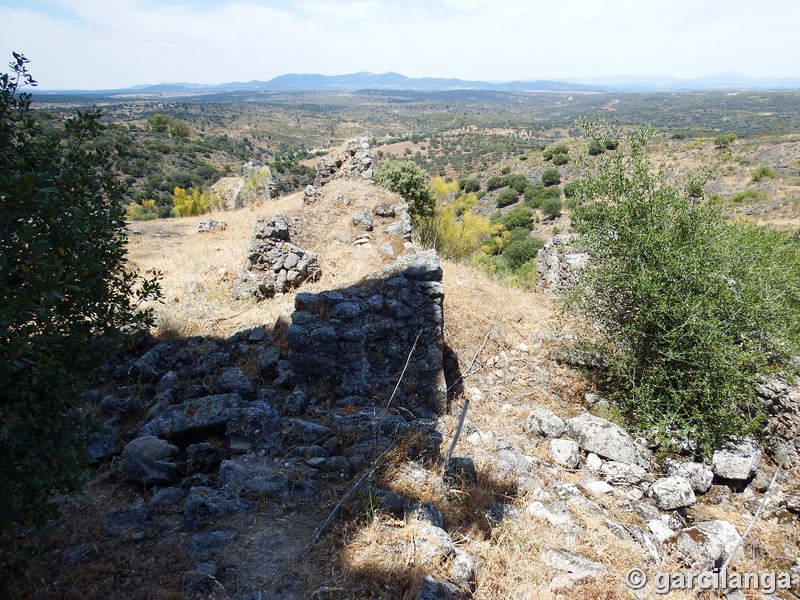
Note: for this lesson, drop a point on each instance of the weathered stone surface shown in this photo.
(211, 225)
(577, 568)
(257, 426)
(143, 469)
(782, 402)
(306, 432)
(617, 473)
(424, 513)
(559, 263)
(438, 589)
(432, 543)
(203, 458)
(542, 421)
(154, 363)
(698, 475)
(462, 567)
(565, 453)
(359, 338)
(355, 162)
(362, 219)
(556, 513)
(151, 446)
(607, 439)
(166, 497)
(670, 493)
(234, 381)
(194, 417)
(736, 461)
(705, 545)
(274, 265)
(205, 503)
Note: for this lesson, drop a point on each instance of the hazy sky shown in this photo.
(93, 44)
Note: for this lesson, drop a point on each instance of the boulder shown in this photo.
(542, 421)
(194, 417)
(619, 473)
(565, 453)
(151, 446)
(736, 461)
(706, 545)
(698, 475)
(143, 469)
(607, 439)
(670, 493)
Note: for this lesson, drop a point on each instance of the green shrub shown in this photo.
(518, 217)
(551, 177)
(763, 173)
(411, 182)
(66, 290)
(517, 253)
(596, 147)
(551, 207)
(507, 197)
(517, 182)
(571, 189)
(725, 140)
(745, 195)
(470, 185)
(611, 143)
(688, 309)
(495, 183)
(560, 159)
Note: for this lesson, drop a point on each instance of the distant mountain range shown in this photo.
(396, 81)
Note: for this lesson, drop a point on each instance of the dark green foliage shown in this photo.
(411, 182)
(536, 193)
(495, 183)
(689, 308)
(725, 140)
(517, 182)
(517, 253)
(611, 143)
(64, 293)
(518, 217)
(507, 197)
(551, 177)
(596, 147)
(764, 173)
(571, 189)
(551, 207)
(159, 123)
(470, 185)
(560, 159)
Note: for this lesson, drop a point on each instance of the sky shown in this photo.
(106, 44)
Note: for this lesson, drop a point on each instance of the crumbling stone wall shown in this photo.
(558, 264)
(355, 162)
(274, 264)
(359, 338)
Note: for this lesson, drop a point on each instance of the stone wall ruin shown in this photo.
(358, 339)
(274, 264)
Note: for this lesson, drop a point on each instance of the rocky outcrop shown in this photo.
(274, 264)
(355, 162)
(558, 263)
(359, 338)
